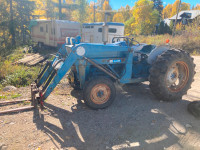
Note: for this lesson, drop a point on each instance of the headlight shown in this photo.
(80, 51)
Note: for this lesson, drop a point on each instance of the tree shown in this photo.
(184, 6)
(50, 13)
(179, 27)
(4, 23)
(158, 5)
(11, 25)
(167, 11)
(40, 9)
(175, 8)
(163, 28)
(80, 15)
(171, 25)
(145, 17)
(90, 13)
(171, 9)
(99, 17)
(24, 10)
(128, 27)
(126, 12)
(118, 17)
(197, 7)
(101, 2)
(106, 6)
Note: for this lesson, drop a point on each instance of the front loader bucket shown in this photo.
(47, 80)
(33, 101)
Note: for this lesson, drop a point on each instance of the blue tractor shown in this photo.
(94, 68)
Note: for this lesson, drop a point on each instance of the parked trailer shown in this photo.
(53, 32)
(92, 32)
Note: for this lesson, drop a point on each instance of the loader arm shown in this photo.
(60, 73)
(43, 76)
(54, 71)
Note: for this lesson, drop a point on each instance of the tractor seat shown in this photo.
(143, 48)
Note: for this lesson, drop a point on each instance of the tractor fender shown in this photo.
(156, 52)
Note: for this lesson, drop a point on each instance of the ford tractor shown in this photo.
(94, 68)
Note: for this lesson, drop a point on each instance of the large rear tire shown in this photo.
(99, 93)
(172, 75)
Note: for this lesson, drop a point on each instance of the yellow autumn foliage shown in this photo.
(171, 9)
(118, 17)
(145, 17)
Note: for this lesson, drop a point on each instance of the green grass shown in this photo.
(9, 95)
(3, 97)
(16, 95)
(14, 74)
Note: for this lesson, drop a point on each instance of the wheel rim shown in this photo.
(100, 94)
(177, 76)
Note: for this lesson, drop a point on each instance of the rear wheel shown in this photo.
(99, 93)
(171, 75)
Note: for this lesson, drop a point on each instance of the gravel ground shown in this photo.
(136, 120)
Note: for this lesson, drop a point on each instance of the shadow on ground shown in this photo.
(136, 120)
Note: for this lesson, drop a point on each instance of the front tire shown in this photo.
(171, 75)
(99, 93)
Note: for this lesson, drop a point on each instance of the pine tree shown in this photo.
(158, 4)
(163, 28)
(101, 2)
(126, 12)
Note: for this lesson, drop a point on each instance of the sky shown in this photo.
(116, 4)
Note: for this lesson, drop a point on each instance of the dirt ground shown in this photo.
(136, 120)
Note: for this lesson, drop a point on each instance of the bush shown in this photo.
(13, 74)
(20, 77)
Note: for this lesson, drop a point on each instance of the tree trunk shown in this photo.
(12, 29)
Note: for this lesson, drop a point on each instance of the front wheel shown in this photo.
(172, 75)
(99, 93)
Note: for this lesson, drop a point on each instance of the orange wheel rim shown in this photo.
(100, 94)
(177, 76)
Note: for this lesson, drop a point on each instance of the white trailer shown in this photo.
(92, 32)
(53, 32)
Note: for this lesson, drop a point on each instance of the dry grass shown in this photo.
(185, 41)
(187, 38)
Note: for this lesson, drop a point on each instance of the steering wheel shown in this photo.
(129, 41)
